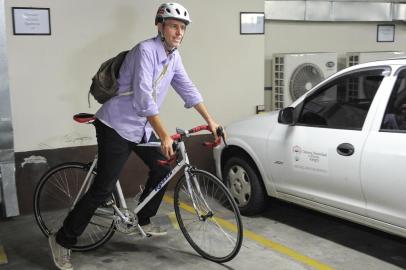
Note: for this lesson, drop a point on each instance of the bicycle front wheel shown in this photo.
(208, 216)
(54, 197)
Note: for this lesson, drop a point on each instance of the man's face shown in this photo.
(173, 31)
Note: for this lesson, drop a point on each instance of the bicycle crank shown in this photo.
(129, 225)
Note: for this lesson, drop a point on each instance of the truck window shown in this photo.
(394, 119)
(344, 102)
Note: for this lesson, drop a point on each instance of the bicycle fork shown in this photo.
(197, 197)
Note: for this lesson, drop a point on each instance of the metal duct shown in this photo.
(318, 11)
(399, 12)
(361, 11)
(352, 11)
(8, 189)
(285, 10)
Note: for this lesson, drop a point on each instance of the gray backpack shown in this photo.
(104, 83)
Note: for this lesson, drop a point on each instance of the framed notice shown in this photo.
(385, 33)
(31, 21)
(252, 23)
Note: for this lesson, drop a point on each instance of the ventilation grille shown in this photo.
(278, 83)
(353, 60)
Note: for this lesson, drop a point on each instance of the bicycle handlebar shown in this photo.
(90, 118)
(184, 133)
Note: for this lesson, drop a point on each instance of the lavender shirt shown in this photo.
(141, 67)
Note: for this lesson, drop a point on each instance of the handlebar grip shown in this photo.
(220, 131)
(176, 137)
(199, 128)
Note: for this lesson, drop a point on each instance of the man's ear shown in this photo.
(160, 27)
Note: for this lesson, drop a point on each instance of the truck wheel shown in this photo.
(245, 185)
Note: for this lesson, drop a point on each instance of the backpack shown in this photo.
(104, 82)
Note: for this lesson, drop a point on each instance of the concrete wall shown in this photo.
(340, 37)
(50, 75)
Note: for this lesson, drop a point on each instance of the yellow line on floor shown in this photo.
(172, 217)
(3, 256)
(261, 240)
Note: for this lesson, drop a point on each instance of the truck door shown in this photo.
(383, 166)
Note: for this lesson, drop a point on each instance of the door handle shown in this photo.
(345, 149)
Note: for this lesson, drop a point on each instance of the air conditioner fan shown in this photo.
(304, 78)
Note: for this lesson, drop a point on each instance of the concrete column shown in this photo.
(8, 194)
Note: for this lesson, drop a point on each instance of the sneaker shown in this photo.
(60, 254)
(153, 230)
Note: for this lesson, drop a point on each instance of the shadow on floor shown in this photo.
(378, 244)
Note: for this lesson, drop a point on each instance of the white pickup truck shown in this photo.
(339, 149)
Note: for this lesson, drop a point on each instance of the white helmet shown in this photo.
(172, 11)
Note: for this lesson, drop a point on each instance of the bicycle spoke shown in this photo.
(59, 186)
(67, 186)
(50, 194)
(228, 236)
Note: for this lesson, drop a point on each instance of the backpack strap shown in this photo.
(154, 84)
(128, 93)
(158, 80)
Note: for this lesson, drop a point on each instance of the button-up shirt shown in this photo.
(142, 66)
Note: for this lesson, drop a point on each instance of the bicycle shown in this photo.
(205, 210)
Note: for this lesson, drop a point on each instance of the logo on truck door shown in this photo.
(309, 160)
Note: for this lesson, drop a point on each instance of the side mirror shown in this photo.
(286, 116)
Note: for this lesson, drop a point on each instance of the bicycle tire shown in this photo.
(53, 199)
(219, 218)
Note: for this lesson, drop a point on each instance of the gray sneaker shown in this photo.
(153, 230)
(60, 255)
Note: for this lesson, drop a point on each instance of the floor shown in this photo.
(283, 237)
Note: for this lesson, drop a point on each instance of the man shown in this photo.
(396, 121)
(129, 119)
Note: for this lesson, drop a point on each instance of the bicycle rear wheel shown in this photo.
(54, 196)
(211, 221)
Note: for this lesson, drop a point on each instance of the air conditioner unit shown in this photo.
(295, 74)
(354, 58)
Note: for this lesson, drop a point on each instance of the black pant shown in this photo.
(113, 152)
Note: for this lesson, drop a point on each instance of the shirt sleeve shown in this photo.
(184, 86)
(143, 100)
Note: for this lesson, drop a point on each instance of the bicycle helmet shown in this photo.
(172, 11)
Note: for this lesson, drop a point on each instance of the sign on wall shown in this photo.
(252, 23)
(385, 33)
(31, 21)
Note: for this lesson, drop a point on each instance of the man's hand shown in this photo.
(201, 108)
(213, 128)
(166, 140)
(166, 146)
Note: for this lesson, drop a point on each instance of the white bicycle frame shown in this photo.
(183, 163)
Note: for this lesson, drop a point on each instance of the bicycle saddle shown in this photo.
(84, 117)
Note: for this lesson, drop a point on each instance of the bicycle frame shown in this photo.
(182, 163)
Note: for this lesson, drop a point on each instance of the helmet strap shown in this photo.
(168, 49)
